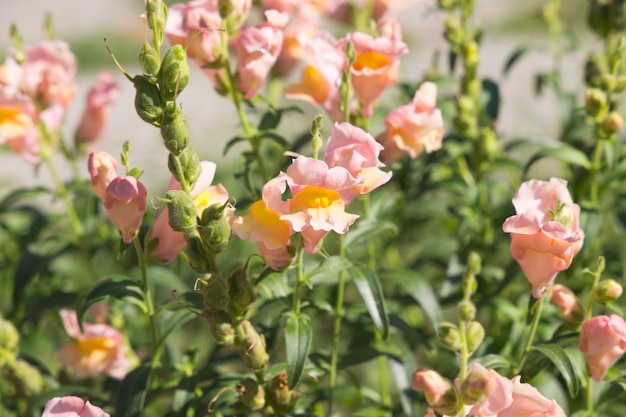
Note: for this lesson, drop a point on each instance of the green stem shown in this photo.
(538, 307)
(297, 293)
(595, 168)
(589, 394)
(334, 355)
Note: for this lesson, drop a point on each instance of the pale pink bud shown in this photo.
(603, 341)
(125, 201)
(72, 407)
(430, 382)
(569, 307)
(102, 169)
(94, 118)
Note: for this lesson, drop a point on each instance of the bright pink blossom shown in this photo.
(603, 341)
(125, 201)
(94, 118)
(414, 127)
(72, 407)
(545, 232)
(99, 349)
(203, 194)
(102, 169)
(357, 151)
(257, 48)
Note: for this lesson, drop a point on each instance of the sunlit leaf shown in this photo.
(298, 335)
(368, 285)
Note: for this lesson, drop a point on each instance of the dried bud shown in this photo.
(252, 348)
(150, 60)
(220, 327)
(182, 211)
(475, 333)
(595, 101)
(215, 292)
(190, 164)
(241, 291)
(174, 129)
(613, 123)
(466, 310)
(282, 397)
(174, 73)
(214, 227)
(479, 384)
(147, 101)
(607, 290)
(252, 394)
(449, 336)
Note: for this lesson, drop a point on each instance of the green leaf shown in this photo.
(117, 286)
(419, 289)
(494, 361)
(368, 284)
(328, 270)
(559, 358)
(561, 152)
(131, 392)
(369, 229)
(491, 98)
(516, 55)
(21, 194)
(232, 143)
(298, 335)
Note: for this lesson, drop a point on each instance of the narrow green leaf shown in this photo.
(368, 284)
(561, 152)
(131, 392)
(491, 98)
(369, 229)
(328, 270)
(419, 289)
(494, 361)
(562, 362)
(232, 143)
(116, 286)
(298, 335)
(516, 55)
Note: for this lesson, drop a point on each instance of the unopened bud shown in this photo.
(195, 253)
(282, 397)
(470, 53)
(214, 228)
(157, 14)
(26, 379)
(449, 336)
(453, 31)
(190, 164)
(241, 291)
(147, 101)
(252, 348)
(479, 384)
(9, 337)
(466, 310)
(182, 211)
(613, 123)
(620, 83)
(174, 73)
(595, 66)
(150, 60)
(220, 327)
(595, 101)
(607, 290)
(252, 394)
(174, 129)
(447, 4)
(475, 333)
(566, 301)
(214, 290)
(438, 390)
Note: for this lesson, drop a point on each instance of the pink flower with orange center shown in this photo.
(94, 117)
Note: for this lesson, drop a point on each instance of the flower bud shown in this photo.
(174, 73)
(251, 394)
(174, 129)
(475, 333)
(607, 16)
(188, 160)
(147, 101)
(620, 83)
(569, 307)
(613, 123)
(220, 327)
(447, 4)
(438, 390)
(181, 211)
(479, 384)
(195, 253)
(595, 66)
(595, 101)
(453, 31)
(466, 310)
(26, 379)
(449, 336)
(157, 14)
(282, 397)
(470, 53)
(607, 290)
(214, 227)
(252, 348)
(241, 291)
(215, 292)
(9, 337)
(150, 60)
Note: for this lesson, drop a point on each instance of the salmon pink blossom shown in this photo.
(545, 232)
(99, 349)
(72, 407)
(125, 201)
(18, 124)
(94, 117)
(102, 169)
(603, 341)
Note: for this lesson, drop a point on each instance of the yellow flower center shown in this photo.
(313, 196)
(92, 345)
(201, 201)
(371, 59)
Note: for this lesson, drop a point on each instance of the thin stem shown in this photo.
(300, 280)
(533, 329)
(334, 355)
(589, 394)
(595, 167)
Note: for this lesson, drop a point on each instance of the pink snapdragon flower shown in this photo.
(257, 48)
(17, 124)
(101, 96)
(102, 169)
(414, 127)
(603, 341)
(545, 232)
(302, 26)
(357, 151)
(125, 201)
(375, 67)
(203, 194)
(100, 349)
(72, 407)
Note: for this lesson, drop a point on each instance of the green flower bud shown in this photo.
(182, 211)
(241, 291)
(447, 404)
(150, 60)
(214, 228)
(613, 123)
(453, 31)
(26, 379)
(594, 68)
(195, 253)
(9, 337)
(190, 164)
(251, 394)
(595, 101)
(174, 73)
(447, 4)
(466, 310)
(470, 53)
(252, 348)
(220, 327)
(147, 101)
(475, 333)
(174, 129)
(606, 16)
(620, 83)
(490, 144)
(157, 14)
(282, 397)
(607, 290)
(449, 336)
(215, 291)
